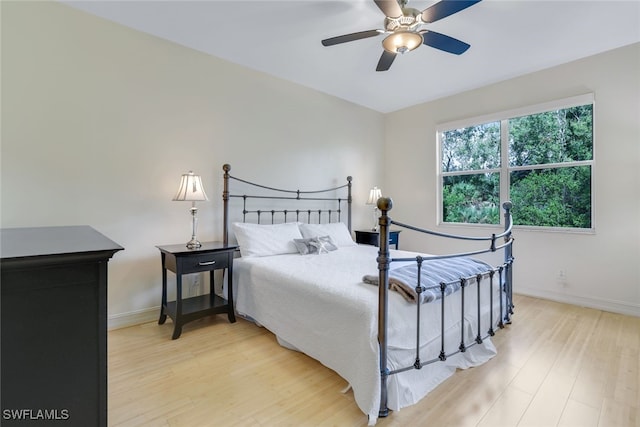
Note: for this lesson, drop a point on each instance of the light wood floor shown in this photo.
(557, 365)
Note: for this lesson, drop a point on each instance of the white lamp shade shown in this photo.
(190, 189)
(374, 194)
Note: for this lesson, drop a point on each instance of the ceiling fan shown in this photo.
(404, 28)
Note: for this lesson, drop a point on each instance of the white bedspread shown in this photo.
(319, 305)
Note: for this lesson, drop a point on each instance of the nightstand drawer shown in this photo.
(367, 237)
(204, 262)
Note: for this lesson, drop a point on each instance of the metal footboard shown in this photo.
(502, 274)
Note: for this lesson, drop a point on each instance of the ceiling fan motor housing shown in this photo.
(410, 20)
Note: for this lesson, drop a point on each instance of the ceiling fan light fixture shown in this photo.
(402, 41)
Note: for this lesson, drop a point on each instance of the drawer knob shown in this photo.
(207, 263)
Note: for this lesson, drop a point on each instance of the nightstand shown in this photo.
(370, 237)
(209, 257)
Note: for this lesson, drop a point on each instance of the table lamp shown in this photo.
(191, 190)
(374, 194)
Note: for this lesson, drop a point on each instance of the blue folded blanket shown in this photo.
(433, 272)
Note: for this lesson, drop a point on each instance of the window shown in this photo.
(540, 158)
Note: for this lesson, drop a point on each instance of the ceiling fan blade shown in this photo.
(386, 60)
(350, 37)
(443, 42)
(445, 8)
(390, 8)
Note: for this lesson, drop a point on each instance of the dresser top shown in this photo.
(47, 241)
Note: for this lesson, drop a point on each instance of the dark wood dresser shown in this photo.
(54, 325)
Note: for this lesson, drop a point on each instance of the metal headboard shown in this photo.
(294, 196)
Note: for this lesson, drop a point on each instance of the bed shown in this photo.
(393, 343)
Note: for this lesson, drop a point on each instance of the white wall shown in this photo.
(602, 269)
(99, 122)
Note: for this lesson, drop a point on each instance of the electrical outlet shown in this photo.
(562, 278)
(194, 289)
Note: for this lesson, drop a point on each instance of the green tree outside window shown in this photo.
(546, 158)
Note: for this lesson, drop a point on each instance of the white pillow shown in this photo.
(266, 239)
(336, 230)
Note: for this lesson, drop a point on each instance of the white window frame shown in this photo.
(504, 169)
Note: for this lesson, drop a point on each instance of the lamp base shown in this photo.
(376, 226)
(193, 244)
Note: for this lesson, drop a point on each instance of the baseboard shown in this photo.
(133, 318)
(620, 307)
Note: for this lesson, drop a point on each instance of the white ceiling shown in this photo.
(508, 38)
